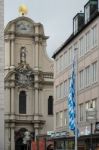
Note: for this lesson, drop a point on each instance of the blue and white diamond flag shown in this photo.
(71, 101)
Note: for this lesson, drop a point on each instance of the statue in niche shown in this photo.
(24, 74)
(23, 55)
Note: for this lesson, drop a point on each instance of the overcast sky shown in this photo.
(55, 15)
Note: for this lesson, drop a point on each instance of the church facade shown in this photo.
(28, 82)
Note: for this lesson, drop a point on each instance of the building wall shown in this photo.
(1, 75)
(63, 69)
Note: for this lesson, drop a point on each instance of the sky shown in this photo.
(55, 15)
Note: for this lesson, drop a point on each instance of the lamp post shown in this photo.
(91, 117)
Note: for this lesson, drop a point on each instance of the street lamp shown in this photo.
(91, 117)
(26, 139)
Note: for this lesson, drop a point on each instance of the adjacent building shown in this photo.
(1, 75)
(28, 82)
(85, 39)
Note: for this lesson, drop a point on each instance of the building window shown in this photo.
(87, 41)
(93, 103)
(94, 36)
(57, 119)
(87, 76)
(65, 88)
(87, 105)
(61, 90)
(94, 72)
(81, 112)
(81, 50)
(81, 79)
(22, 102)
(87, 13)
(61, 119)
(50, 105)
(65, 117)
(75, 47)
(75, 25)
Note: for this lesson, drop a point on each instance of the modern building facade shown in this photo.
(85, 39)
(28, 82)
(1, 75)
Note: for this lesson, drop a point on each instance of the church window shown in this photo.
(50, 105)
(22, 102)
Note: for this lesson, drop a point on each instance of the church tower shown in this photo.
(28, 82)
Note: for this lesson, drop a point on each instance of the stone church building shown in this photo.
(28, 82)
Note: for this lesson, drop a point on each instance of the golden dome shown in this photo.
(23, 9)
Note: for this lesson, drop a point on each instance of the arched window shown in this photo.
(23, 54)
(22, 102)
(50, 105)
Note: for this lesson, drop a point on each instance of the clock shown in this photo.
(24, 27)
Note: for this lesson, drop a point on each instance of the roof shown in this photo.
(72, 36)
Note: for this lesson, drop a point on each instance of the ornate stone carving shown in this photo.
(24, 76)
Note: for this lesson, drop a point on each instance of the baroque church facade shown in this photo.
(28, 82)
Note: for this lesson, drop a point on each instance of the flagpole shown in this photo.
(76, 103)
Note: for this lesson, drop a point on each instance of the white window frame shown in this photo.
(94, 72)
(94, 36)
(87, 13)
(75, 25)
(87, 41)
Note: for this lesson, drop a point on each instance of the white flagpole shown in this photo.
(76, 102)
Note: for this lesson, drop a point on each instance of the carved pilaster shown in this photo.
(36, 93)
(7, 54)
(12, 54)
(12, 101)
